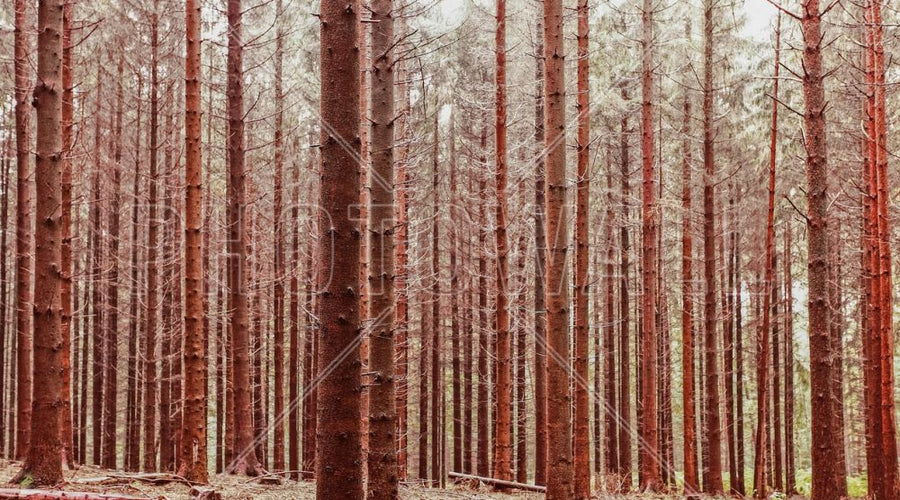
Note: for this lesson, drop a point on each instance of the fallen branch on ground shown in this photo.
(499, 483)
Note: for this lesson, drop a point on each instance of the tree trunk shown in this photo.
(111, 339)
(612, 420)
(193, 455)
(713, 483)
(24, 297)
(401, 268)
(559, 422)
(625, 394)
(739, 362)
(521, 348)
(502, 439)
(68, 106)
(483, 333)
(133, 426)
(454, 310)
(97, 299)
(278, 219)
(244, 460)
(382, 458)
(829, 479)
(790, 486)
(582, 457)
(762, 350)
(339, 461)
(540, 257)
(294, 391)
(648, 429)
(436, 346)
(150, 314)
(43, 465)
(691, 475)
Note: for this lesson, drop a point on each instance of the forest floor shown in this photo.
(91, 479)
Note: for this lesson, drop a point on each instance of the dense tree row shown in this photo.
(438, 248)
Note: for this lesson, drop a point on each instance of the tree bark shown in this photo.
(762, 350)
(648, 430)
(97, 300)
(382, 458)
(559, 399)
(483, 332)
(582, 457)
(540, 257)
(68, 106)
(829, 480)
(151, 312)
(278, 219)
(625, 394)
(24, 297)
(338, 464)
(111, 340)
(43, 465)
(402, 268)
(245, 460)
(193, 455)
(691, 475)
(502, 384)
(133, 427)
(712, 483)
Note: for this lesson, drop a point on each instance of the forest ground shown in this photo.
(87, 478)
(93, 479)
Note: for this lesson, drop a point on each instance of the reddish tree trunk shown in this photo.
(244, 460)
(625, 393)
(43, 465)
(648, 428)
(67, 435)
(150, 313)
(521, 328)
(582, 457)
(540, 256)
(436, 346)
(712, 483)
(382, 450)
(24, 298)
(559, 422)
(739, 362)
(691, 473)
(611, 438)
(278, 334)
(456, 354)
(192, 455)
(883, 231)
(133, 426)
(790, 486)
(502, 439)
(111, 339)
(338, 464)
(401, 269)
(829, 478)
(483, 333)
(294, 391)
(97, 299)
(762, 350)
(777, 465)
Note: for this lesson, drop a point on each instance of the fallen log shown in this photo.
(17, 494)
(157, 478)
(498, 483)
